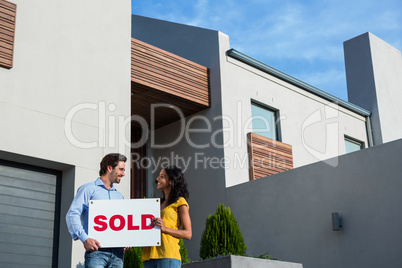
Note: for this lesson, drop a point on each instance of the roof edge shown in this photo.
(294, 81)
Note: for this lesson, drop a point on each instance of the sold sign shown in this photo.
(101, 224)
(124, 223)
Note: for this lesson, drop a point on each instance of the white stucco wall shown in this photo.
(71, 61)
(374, 78)
(315, 127)
(387, 64)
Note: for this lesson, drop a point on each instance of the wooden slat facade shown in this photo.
(267, 156)
(158, 76)
(7, 28)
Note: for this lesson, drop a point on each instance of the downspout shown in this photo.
(369, 131)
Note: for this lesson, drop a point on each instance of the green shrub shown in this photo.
(133, 258)
(183, 252)
(222, 235)
(266, 256)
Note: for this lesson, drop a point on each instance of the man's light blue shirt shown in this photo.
(77, 215)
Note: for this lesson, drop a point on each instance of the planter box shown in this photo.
(233, 261)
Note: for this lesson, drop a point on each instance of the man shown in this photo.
(111, 171)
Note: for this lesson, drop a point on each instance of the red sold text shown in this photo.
(118, 223)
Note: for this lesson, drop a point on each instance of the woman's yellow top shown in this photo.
(169, 247)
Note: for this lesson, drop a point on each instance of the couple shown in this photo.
(174, 213)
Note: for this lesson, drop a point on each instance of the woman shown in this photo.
(174, 213)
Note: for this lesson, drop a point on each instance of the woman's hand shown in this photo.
(185, 220)
(159, 222)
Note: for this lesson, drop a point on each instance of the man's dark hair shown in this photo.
(110, 160)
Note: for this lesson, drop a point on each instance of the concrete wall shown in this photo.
(289, 214)
(233, 261)
(315, 128)
(192, 151)
(69, 81)
(374, 79)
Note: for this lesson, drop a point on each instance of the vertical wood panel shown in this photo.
(7, 29)
(267, 156)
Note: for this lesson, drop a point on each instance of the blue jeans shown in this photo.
(108, 257)
(162, 263)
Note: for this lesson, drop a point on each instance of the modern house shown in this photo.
(68, 79)
(262, 121)
(79, 83)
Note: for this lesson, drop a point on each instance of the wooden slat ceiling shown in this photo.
(268, 156)
(160, 77)
(7, 28)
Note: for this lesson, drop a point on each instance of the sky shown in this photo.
(303, 38)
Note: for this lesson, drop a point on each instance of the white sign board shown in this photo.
(124, 223)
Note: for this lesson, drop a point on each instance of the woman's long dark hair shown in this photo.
(179, 185)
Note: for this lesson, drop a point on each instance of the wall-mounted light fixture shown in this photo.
(336, 221)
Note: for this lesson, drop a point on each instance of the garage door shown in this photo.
(29, 213)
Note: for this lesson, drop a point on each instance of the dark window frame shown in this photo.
(276, 112)
(355, 141)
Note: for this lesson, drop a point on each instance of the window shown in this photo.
(352, 145)
(264, 121)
